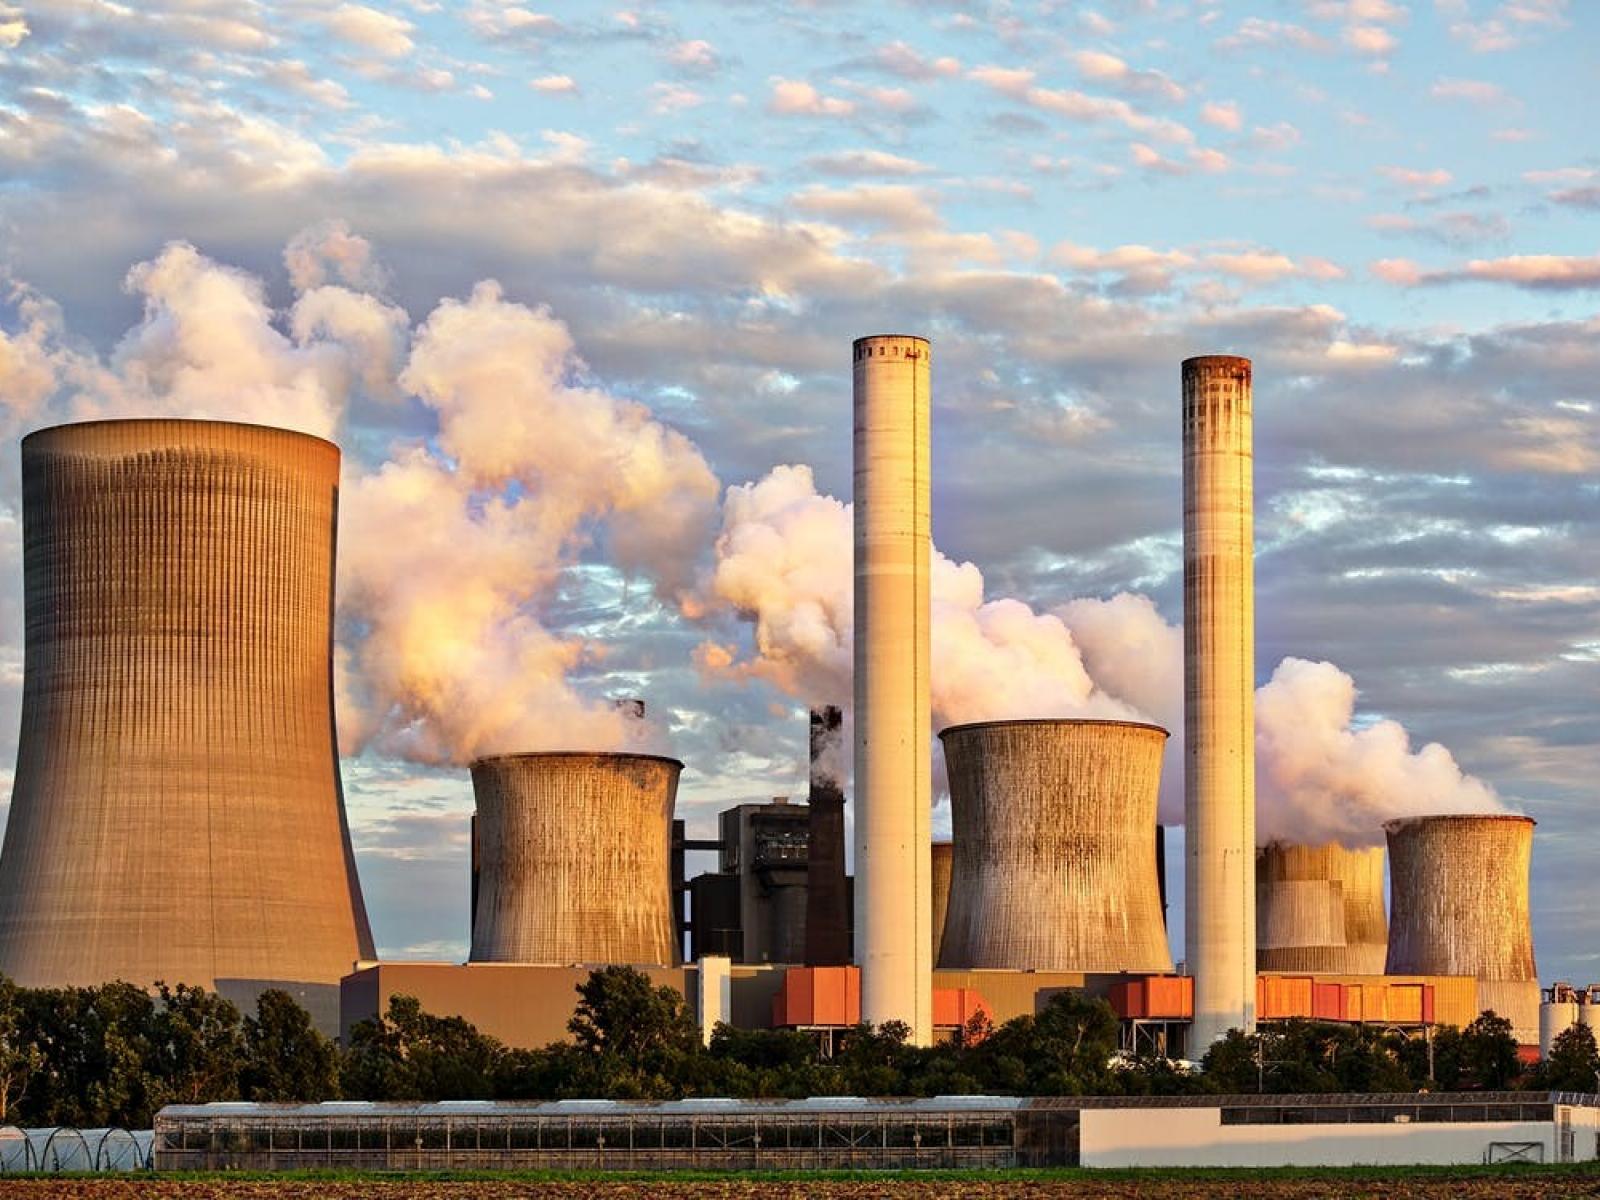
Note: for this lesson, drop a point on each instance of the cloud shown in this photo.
(382, 33)
(1534, 272)
(555, 85)
(852, 163)
(795, 97)
(1417, 179)
(1473, 91)
(898, 58)
(1223, 114)
(1019, 84)
(1260, 33)
(1110, 70)
(695, 55)
(1207, 161)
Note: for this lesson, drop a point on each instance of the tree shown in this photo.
(1063, 1050)
(199, 1045)
(1573, 1064)
(1489, 1053)
(20, 1056)
(285, 1056)
(620, 1012)
(410, 1054)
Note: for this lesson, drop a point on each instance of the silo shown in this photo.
(1557, 1013)
(1320, 909)
(940, 874)
(1051, 868)
(893, 772)
(177, 812)
(1589, 1008)
(1219, 694)
(1459, 894)
(573, 855)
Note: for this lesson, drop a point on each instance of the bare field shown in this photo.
(1527, 1184)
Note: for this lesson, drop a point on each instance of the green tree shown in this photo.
(410, 1054)
(199, 1045)
(285, 1056)
(1489, 1053)
(20, 1056)
(1573, 1064)
(1065, 1049)
(621, 1013)
(99, 1066)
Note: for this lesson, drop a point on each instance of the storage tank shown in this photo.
(1459, 894)
(1051, 868)
(1319, 909)
(1589, 1008)
(1557, 1014)
(574, 856)
(177, 812)
(940, 874)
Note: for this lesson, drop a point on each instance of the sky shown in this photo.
(574, 288)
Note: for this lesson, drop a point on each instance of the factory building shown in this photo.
(1051, 868)
(1219, 693)
(827, 888)
(177, 812)
(1459, 887)
(1319, 909)
(893, 768)
(573, 856)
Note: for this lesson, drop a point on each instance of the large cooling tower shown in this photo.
(943, 853)
(1319, 909)
(177, 812)
(1459, 898)
(1052, 869)
(573, 854)
(1219, 695)
(893, 780)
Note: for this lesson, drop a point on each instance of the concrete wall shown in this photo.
(1196, 1137)
(177, 812)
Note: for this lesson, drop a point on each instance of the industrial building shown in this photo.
(1320, 909)
(853, 1132)
(1051, 866)
(573, 854)
(893, 752)
(1459, 886)
(1219, 693)
(177, 811)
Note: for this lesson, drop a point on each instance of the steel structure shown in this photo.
(1319, 909)
(893, 780)
(1459, 890)
(573, 858)
(1219, 694)
(1052, 869)
(177, 813)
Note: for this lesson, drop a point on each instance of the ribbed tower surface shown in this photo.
(1459, 894)
(574, 858)
(1319, 909)
(943, 857)
(177, 813)
(1219, 695)
(1052, 869)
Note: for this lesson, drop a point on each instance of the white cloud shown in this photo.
(553, 85)
(795, 97)
(1222, 114)
(382, 33)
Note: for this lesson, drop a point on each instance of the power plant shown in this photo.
(893, 768)
(1052, 868)
(1459, 886)
(177, 812)
(1219, 695)
(573, 851)
(1319, 909)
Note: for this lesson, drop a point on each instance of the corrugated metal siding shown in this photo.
(177, 811)
(1051, 868)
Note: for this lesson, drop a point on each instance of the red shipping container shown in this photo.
(1427, 1004)
(1169, 996)
(1327, 1002)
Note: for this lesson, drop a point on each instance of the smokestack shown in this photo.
(1219, 696)
(1459, 887)
(1319, 909)
(894, 788)
(574, 855)
(177, 812)
(827, 912)
(1052, 869)
(943, 853)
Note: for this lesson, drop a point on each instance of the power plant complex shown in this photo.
(178, 815)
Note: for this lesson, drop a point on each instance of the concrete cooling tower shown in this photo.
(1051, 868)
(1319, 909)
(1459, 893)
(177, 812)
(942, 855)
(573, 858)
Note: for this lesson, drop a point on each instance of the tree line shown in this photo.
(113, 1055)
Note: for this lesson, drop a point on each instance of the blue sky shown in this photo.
(1390, 206)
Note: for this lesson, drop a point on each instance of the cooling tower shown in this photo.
(893, 776)
(827, 919)
(1319, 909)
(573, 856)
(1219, 696)
(1459, 897)
(1052, 869)
(942, 855)
(177, 812)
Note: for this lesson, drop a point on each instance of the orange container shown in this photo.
(1281, 996)
(1327, 1001)
(818, 996)
(1169, 995)
(954, 1007)
(1405, 1003)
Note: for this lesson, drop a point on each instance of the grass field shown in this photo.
(1512, 1183)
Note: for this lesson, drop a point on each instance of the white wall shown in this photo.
(1196, 1137)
